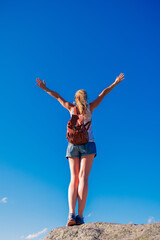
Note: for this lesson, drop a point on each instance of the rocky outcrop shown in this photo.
(106, 231)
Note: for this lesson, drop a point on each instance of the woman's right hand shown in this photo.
(40, 83)
(119, 78)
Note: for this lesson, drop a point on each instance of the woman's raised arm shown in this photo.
(56, 95)
(98, 100)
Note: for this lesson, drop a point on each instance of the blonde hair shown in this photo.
(81, 101)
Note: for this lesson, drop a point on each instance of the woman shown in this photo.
(80, 156)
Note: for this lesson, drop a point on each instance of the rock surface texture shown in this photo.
(106, 231)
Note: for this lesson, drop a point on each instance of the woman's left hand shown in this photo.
(119, 78)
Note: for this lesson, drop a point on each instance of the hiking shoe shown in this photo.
(71, 219)
(79, 220)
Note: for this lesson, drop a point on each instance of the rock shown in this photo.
(106, 231)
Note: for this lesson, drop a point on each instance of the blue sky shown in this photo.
(76, 45)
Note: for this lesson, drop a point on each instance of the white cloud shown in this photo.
(4, 200)
(89, 215)
(22, 237)
(151, 220)
(34, 235)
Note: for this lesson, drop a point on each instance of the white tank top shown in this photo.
(89, 118)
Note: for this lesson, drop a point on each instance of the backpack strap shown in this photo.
(76, 112)
(88, 123)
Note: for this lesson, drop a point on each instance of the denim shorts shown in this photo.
(74, 150)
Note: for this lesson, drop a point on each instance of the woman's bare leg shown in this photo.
(74, 164)
(86, 164)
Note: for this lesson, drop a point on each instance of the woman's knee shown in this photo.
(75, 179)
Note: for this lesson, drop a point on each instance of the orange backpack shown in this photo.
(77, 132)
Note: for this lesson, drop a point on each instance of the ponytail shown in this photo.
(81, 101)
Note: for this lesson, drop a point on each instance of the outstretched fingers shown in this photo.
(121, 76)
(38, 81)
